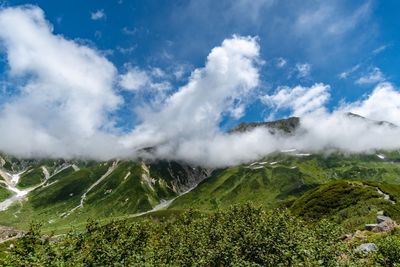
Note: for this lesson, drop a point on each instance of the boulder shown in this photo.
(381, 218)
(367, 247)
(370, 227)
(385, 226)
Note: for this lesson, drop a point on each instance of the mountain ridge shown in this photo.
(63, 192)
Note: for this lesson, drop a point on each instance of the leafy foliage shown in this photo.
(240, 236)
(328, 199)
(389, 251)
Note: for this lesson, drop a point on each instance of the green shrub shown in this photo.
(389, 251)
(240, 236)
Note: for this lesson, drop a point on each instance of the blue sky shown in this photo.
(121, 67)
(334, 38)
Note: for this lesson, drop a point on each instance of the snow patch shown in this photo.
(380, 156)
(127, 175)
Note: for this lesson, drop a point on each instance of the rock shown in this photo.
(367, 247)
(370, 227)
(385, 226)
(381, 218)
(379, 212)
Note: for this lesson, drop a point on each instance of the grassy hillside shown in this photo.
(95, 190)
(349, 203)
(336, 186)
(4, 193)
(304, 203)
(32, 177)
(310, 185)
(281, 177)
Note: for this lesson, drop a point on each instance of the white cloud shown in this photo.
(300, 100)
(303, 70)
(66, 90)
(64, 104)
(195, 110)
(134, 79)
(379, 49)
(373, 77)
(250, 9)
(157, 72)
(126, 50)
(98, 14)
(344, 75)
(339, 131)
(129, 31)
(281, 62)
(383, 104)
(326, 19)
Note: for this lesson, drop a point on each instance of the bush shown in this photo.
(240, 236)
(389, 251)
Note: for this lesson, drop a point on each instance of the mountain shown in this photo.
(290, 208)
(375, 122)
(308, 185)
(63, 193)
(288, 125)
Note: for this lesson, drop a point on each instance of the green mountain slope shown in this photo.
(334, 186)
(60, 192)
(76, 191)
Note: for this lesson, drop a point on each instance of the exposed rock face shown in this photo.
(182, 176)
(287, 126)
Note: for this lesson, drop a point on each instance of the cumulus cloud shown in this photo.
(303, 70)
(196, 109)
(383, 104)
(98, 15)
(300, 100)
(63, 101)
(135, 79)
(339, 131)
(64, 106)
(321, 130)
(373, 77)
